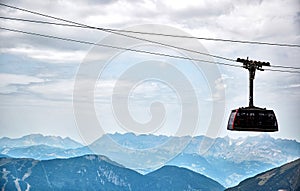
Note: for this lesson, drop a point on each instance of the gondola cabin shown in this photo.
(252, 119)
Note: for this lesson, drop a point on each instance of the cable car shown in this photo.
(252, 118)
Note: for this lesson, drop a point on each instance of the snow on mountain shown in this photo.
(261, 148)
(224, 159)
(43, 152)
(38, 139)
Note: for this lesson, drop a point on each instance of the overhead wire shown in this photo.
(76, 24)
(287, 71)
(41, 22)
(211, 39)
(133, 50)
(117, 47)
(105, 30)
(180, 36)
(73, 25)
(287, 67)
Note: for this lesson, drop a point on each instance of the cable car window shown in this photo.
(232, 117)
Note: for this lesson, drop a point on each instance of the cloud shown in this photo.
(103, 91)
(294, 86)
(42, 66)
(55, 90)
(9, 82)
(273, 21)
(46, 55)
(146, 91)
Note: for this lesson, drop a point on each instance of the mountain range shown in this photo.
(225, 160)
(96, 172)
(38, 139)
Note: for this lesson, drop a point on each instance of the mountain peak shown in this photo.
(92, 157)
(285, 177)
(39, 139)
(265, 136)
(177, 176)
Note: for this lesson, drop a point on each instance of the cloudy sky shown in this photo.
(38, 76)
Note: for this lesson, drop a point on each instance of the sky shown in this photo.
(68, 89)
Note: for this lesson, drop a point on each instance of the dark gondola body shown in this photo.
(252, 119)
